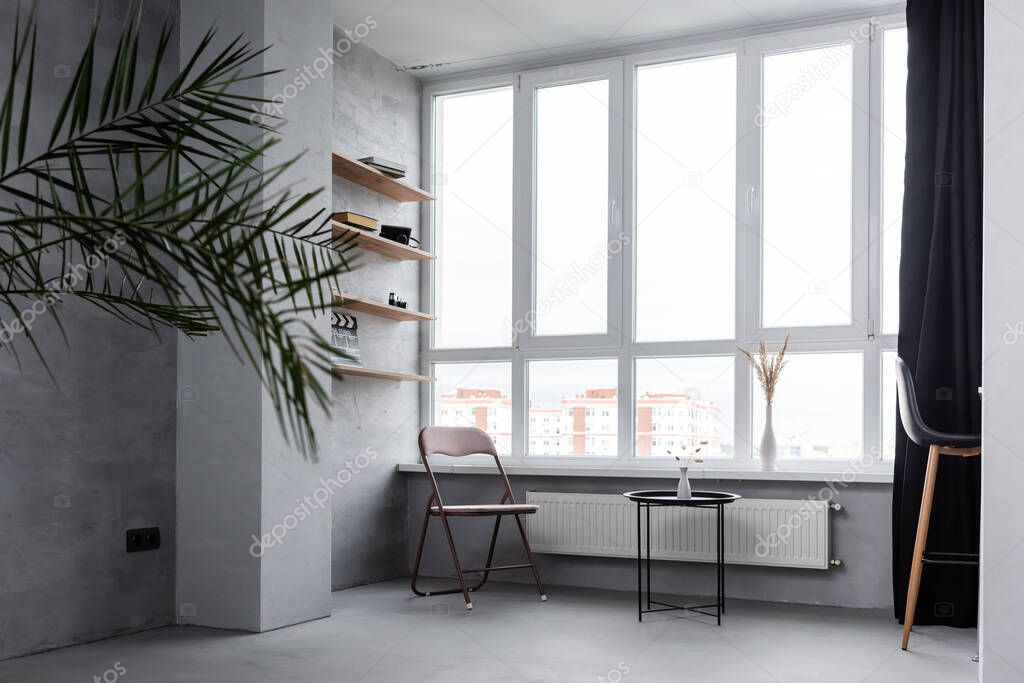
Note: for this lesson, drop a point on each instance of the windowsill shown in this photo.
(847, 476)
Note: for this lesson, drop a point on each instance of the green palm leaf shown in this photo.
(151, 204)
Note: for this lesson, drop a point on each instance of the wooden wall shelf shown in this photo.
(360, 371)
(379, 308)
(360, 173)
(379, 245)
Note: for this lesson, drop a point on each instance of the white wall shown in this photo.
(1002, 544)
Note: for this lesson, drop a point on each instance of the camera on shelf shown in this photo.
(400, 234)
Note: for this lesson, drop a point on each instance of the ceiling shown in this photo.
(466, 35)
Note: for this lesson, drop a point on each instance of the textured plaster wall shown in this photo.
(376, 112)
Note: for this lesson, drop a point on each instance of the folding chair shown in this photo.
(457, 442)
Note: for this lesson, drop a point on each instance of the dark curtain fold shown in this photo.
(940, 298)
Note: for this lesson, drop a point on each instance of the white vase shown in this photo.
(768, 446)
(683, 490)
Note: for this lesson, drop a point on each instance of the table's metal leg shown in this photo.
(639, 570)
(720, 565)
(648, 506)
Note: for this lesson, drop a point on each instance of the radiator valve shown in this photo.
(836, 563)
(835, 506)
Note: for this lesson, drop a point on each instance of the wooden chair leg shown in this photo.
(924, 517)
(533, 562)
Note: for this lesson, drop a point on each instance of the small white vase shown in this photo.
(683, 490)
(768, 446)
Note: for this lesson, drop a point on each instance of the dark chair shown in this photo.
(938, 444)
(461, 441)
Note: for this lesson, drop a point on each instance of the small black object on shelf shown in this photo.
(396, 302)
(400, 234)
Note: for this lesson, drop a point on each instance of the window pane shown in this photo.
(686, 199)
(683, 402)
(474, 216)
(476, 395)
(572, 209)
(807, 116)
(818, 407)
(894, 127)
(888, 405)
(573, 407)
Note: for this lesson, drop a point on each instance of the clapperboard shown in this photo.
(345, 338)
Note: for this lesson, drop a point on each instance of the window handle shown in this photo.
(751, 200)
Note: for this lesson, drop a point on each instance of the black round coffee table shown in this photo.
(700, 499)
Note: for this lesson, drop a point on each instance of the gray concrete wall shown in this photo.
(103, 437)
(296, 577)
(860, 538)
(376, 112)
(1002, 460)
(219, 425)
(239, 479)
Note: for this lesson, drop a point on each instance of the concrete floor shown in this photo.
(381, 633)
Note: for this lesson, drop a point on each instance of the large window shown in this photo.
(807, 185)
(475, 395)
(473, 233)
(573, 407)
(571, 208)
(665, 210)
(686, 199)
(894, 147)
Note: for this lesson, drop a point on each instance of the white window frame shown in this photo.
(861, 336)
(525, 195)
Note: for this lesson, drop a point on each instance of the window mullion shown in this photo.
(748, 239)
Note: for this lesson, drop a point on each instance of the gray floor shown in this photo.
(381, 633)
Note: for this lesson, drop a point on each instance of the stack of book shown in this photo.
(357, 220)
(390, 168)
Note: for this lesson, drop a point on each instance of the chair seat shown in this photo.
(482, 510)
(952, 440)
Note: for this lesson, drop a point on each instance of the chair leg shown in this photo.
(419, 553)
(455, 559)
(490, 554)
(924, 517)
(533, 562)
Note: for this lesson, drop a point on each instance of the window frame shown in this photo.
(863, 337)
(525, 197)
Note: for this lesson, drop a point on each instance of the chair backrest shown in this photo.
(455, 441)
(910, 414)
(459, 442)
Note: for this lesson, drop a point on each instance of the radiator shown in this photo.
(778, 533)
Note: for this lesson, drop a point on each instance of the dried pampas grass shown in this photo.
(768, 367)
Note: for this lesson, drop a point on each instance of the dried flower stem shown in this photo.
(768, 367)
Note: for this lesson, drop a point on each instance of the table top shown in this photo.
(666, 497)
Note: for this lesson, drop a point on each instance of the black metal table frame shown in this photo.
(719, 605)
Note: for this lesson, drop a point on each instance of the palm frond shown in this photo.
(152, 202)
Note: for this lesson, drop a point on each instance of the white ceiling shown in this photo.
(474, 34)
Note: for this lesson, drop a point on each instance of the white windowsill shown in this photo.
(839, 476)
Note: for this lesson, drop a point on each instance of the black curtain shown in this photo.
(940, 298)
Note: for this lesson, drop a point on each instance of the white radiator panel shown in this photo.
(779, 533)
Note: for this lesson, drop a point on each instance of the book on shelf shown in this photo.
(391, 168)
(357, 220)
